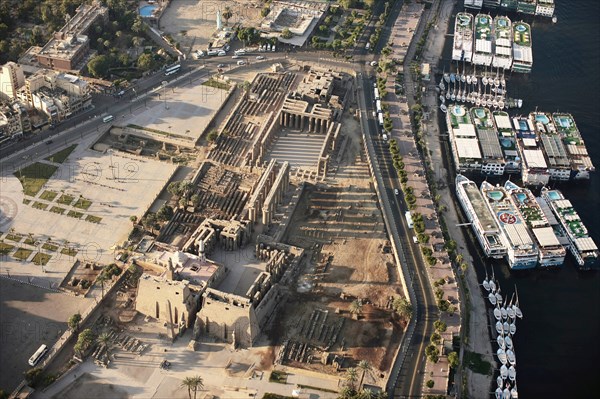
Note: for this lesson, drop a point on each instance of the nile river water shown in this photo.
(558, 341)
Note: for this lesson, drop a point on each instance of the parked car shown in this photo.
(260, 57)
(241, 62)
(221, 66)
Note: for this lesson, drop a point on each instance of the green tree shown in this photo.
(286, 33)
(433, 353)
(227, 14)
(133, 219)
(365, 367)
(193, 384)
(165, 213)
(265, 11)
(212, 135)
(32, 375)
(74, 321)
(403, 307)
(146, 62)
(430, 384)
(439, 326)
(356, 308)
(99, 66)
(84, 341)
(453, 359)
(436, 338)
(351, 377)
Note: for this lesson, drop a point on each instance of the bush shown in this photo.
(430, 384)
(440, 326)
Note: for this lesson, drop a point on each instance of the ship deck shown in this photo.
(522, 34)
(485, 217)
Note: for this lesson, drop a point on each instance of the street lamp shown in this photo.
(164, 85)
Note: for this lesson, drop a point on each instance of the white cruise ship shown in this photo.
(503, 43)
(462, 49)
(482, 221)
(581, 245)
(522, 52)
(522, 253)
(552, 253)
(483, 40)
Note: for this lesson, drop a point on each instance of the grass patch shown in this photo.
(22, 254)
(50, 247)
(48, 195)
(66, 199)
(26, 201)
(316, 388)
(279, 377)
(40, 205)
(29, 241)
(216, 84)
(69, 251)
(93, 219)
(5, 248)
(476, 363)
(75, 214)
(62, 155)
(14, 237)
(58, 209)
(41, 259)
(34, 176)
(83, 203)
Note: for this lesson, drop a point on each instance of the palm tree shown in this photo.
(227, 14)
(356, 308)
(102, 277)
(365, 366)
(105, 340)
(351, 376)
(459, 258)
(403, 307)
(193, 384)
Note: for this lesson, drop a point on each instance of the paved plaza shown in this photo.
(297, 148)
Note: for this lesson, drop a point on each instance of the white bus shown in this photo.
(108, 118)
(380, 117)
(37, 356)
(378, 106)
(376, 92)
(173, 69)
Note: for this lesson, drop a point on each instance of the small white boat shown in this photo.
(497, 314)
(442, 99)
(493, 285)
(497, 90)
(499, 328)
(453, 97)
(443, 108)
(503, 312)
(514, 394)
(501, 341)
(492, 298)
(518, 312)
(486, 282)
(468, 79)
(474, 80)
(519, 103)
(447, 95)
(442, 86)
(463, 78)
(508, 341)
(506, 393)
(495, 103)
(498, 297)
(506, 326)
(484, 80)
(464, 98)
(446, 77)
(500, 382)
(503, 372)
(478, 101)
(512, 328)
(498, 393)
(501, 104)
(497, 82)
(554, 19)
(502, 356)
(512, 373)
(452, 78)
(510, 355)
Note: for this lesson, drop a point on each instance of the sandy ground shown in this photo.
(192, 23)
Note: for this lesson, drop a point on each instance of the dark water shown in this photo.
(558, 341)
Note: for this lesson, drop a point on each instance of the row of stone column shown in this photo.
(295, 121)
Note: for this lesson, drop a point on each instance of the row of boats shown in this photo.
(484, 90)
(510, 222)
(497, 42)
(506, 314)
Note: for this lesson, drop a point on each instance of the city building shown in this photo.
(11, 78)
(68, 49)
(14, 120)
(299, 17)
